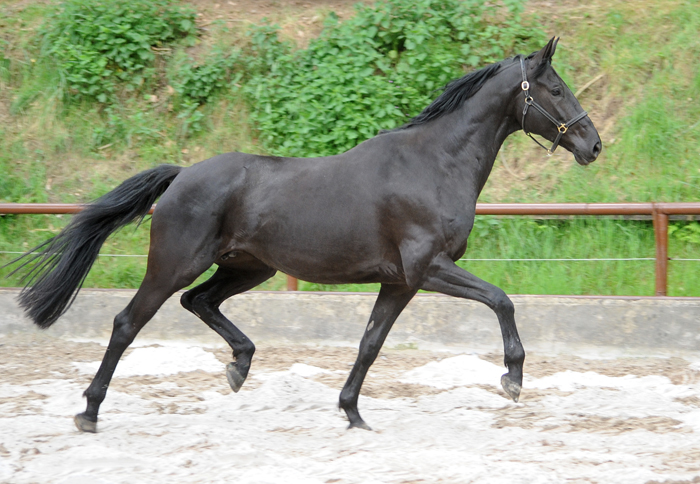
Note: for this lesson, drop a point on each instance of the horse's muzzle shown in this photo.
(585, 157)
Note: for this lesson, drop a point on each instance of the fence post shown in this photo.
(292, 283)
(661, 236)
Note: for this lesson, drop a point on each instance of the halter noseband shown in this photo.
(561, 127)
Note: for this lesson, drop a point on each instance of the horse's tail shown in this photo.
(59, 266)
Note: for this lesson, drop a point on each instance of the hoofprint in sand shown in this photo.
(170, 416)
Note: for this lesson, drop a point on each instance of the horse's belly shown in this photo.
(382, 273)
(333, 264)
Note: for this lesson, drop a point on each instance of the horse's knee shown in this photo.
(502, 303)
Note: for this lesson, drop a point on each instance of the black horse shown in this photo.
(396, 209)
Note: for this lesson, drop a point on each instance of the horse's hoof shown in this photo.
(511, 388)
(85, 425)
(359, 425)
(235, 377)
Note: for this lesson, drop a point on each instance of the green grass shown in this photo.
(582, 238)
(646, 106)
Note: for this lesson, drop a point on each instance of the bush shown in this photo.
(99, 45)
(374, 71)
(197, 83)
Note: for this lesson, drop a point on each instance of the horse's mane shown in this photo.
(456, 92)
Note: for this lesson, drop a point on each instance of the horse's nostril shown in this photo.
(596, 149)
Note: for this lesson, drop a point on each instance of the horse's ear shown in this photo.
(546, 53)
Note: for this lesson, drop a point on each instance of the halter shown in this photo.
(561, 127)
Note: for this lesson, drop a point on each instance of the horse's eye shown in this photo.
(556, 91)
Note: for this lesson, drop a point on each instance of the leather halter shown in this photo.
(561, 127)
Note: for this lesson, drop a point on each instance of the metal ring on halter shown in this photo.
(563, 128)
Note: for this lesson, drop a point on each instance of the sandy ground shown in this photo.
(438, 417)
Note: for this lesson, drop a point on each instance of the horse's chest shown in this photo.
(457, 230)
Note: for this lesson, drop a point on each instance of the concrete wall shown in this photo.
(635, 326)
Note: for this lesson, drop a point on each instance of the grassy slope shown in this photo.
(645, 106)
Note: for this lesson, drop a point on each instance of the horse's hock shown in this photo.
(548, 324)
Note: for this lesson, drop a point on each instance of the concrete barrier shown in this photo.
(547, 324)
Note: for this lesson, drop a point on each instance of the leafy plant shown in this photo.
(686, 232)
(191, 118)
(99, 45)
(485, 226)
(198, 82)
(373, 71)
(265, 50)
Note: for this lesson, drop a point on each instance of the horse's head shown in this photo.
(550, 109)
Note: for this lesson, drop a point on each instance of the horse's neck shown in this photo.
(470, 137)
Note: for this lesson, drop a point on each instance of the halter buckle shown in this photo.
(563, 128)
(525, 86)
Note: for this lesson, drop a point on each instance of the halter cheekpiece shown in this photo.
(529, 101)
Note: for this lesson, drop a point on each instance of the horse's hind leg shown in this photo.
(204, 301)
(155, 289)
(391, 301)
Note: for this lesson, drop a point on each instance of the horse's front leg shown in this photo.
(445, 276)
(391, 301)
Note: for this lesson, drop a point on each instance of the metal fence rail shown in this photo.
(659, 212)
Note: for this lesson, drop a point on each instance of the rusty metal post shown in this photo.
(292, 283)
(661, 236)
